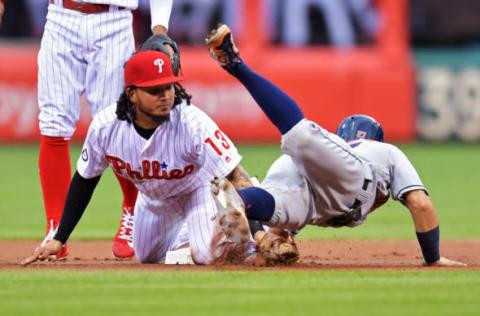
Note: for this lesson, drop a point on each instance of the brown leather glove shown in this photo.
(276, 249)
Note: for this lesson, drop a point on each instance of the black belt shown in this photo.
(353, 214)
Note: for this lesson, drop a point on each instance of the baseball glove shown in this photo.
(276, 249)
(158, 42)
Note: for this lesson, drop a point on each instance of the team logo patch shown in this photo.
(159, 62)
(84, 154)
(361, 134)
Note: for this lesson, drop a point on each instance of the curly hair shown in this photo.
(126, 109)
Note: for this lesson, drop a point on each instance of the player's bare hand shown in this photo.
(160, 29)
(445, 262)
(44, 252)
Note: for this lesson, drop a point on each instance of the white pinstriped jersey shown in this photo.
(185, 152)
(85, 53)
(160, 9)
(172, 171)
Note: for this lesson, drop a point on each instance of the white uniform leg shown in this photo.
(61, 73)
(156, 227)
(107, 54)
(182, 239)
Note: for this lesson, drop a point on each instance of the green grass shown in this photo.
(436, 293)
(450, 171)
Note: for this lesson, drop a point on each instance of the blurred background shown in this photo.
(412, 64)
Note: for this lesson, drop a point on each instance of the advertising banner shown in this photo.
(449, 94)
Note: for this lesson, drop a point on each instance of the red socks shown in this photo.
(129, 193)
(55, 175)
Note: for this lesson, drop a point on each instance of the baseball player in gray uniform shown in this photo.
(83, 49)
(321, 179)
(171, 150)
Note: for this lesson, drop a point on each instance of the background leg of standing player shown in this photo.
(60, 84)
(207, 242)
(54, 159)
(55, 174)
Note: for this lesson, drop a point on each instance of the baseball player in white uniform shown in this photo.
(171, 150)
(321, 179)
(83, 49)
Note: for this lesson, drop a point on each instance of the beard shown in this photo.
(157, 119)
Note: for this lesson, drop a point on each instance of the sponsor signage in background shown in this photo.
(448, 94)
(328, 84)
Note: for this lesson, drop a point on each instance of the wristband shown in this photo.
(429, 242)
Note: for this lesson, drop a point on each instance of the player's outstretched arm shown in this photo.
(427, 227)
(78, 197)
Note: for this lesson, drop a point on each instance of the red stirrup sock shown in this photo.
(55, 175)
(129, 193)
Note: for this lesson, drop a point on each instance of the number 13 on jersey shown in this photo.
(219, 138)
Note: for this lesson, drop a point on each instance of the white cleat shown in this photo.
(230, 211)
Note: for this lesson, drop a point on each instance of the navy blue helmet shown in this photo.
(360, 126)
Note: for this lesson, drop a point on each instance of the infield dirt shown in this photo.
(315, 255)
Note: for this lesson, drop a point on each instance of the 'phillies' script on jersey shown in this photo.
(118, 165)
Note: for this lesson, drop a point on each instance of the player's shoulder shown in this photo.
(374, 150)
(193, 115)
(368, 143)
(105, 117)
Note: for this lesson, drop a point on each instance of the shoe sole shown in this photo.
(215, 41)
(230, 212)
(122, 258)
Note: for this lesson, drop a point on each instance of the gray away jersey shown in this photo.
(392, 174)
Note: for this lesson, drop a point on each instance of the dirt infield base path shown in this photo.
(315, 255)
